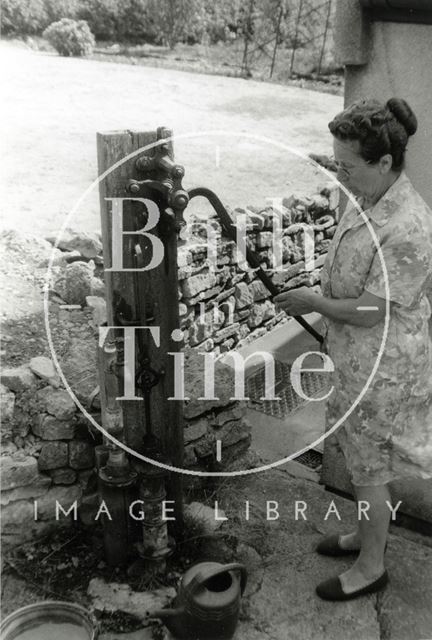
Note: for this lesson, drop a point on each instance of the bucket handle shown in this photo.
(200, 578)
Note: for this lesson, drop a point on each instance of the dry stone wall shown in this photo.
(227, 307)
(48, 445)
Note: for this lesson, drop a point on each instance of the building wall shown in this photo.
(398, 62)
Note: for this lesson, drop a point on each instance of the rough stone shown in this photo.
(79, 367)
(114, 597)
(99, 310)
(63, 476)
(88, 244)
(205, 515)
(81, 454)
(97, 287)
(235, 412)
(76, 283)
(44, 369)
(264, 240)
(259, 290)
(195, 430)
(57, 402)
(53, 455)
(194, 385)
(226, 332)
(17, 378)
(7, 402)
(259, 312)
(204, 295)
(51, 428)
(65, 496)
(37, 488)
(198, 283)
(243, 295)
(18, 472)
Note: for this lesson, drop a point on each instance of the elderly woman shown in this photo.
(388, 434)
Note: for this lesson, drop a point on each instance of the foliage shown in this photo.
(70, 37)
(24, 17)
(102, 16)
(178, 20)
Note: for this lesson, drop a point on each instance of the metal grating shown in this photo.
(311, 459)
(313, 384)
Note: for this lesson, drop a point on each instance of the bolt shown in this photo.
(134, 187)
(178, 171)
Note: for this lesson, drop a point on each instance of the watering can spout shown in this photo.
(172, 619)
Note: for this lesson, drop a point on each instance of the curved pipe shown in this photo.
(230, 231)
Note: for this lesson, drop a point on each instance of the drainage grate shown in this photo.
(313, 384)
(311, 459)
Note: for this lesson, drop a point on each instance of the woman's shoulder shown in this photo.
(411, 215)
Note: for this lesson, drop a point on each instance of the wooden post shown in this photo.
(157, 290)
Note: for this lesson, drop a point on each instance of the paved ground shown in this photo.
(53, 106)
(280, 603)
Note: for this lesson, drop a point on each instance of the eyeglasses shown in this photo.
(341, 166)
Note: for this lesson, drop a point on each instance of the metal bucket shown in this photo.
(49, 620)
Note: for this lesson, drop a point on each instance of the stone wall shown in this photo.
(228, 307)
(48, 445)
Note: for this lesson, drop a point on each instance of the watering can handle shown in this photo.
(200, 578)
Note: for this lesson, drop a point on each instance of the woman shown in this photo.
(388, 434)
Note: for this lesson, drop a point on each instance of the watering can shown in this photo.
(207, 603)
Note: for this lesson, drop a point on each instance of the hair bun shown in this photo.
(403, 113)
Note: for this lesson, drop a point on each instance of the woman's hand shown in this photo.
(297, 301)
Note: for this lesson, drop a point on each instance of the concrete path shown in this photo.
(53, 107)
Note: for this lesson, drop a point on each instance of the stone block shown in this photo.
(17, 514)
(18, 472)
(7, 402)
(243, 296)
(44, 369)
(63, 476)
(259, 290)
(87, 244)
(37, 488)
(99, 309)
(226, 332)
(194, 385)
(198, 283)
(17, 379)
(81, 454)
(264, 240)
(53, 455)
(259, 312)
(195, 430)
(64, 495)
(57, 402)
(50, 428)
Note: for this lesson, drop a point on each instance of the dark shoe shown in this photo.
(330, 547)
(332, 589)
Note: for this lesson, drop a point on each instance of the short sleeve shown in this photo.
(408, 261)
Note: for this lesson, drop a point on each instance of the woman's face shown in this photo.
(359, 176)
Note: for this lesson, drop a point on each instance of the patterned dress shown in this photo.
(388, 434)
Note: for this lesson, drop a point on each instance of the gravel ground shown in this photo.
(53, 107)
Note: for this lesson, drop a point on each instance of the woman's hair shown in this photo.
(379, 128)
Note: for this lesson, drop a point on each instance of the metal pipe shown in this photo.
(229, 228)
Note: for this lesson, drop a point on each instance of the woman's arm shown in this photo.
(365, 311)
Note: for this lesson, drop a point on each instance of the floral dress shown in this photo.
(388, 433)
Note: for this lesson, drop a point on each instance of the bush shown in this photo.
(70, 37)
(24, 17)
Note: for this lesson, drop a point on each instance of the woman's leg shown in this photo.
(373, 535)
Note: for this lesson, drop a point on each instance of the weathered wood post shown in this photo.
(143, 298)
